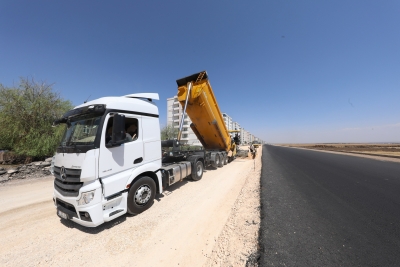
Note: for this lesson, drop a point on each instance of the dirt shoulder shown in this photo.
(17, 194)
(211, 222)
(237, 245)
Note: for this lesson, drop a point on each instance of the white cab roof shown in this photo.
(144, 95)
(130, 103)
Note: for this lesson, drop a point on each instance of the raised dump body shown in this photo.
(203, 110)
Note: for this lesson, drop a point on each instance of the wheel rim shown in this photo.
(142, 195)
(217, 159)
(199, 170)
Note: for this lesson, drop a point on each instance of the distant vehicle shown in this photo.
(256, 144)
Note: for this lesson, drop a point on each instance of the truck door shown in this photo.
(117, 163)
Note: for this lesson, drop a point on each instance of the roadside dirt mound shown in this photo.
(33, 170)
(237, 244)
(243, 152)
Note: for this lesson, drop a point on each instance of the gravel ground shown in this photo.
(237, 245)
(212, 222)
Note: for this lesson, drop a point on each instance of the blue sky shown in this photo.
(287, 71)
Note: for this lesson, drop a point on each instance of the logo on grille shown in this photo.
(63, 175)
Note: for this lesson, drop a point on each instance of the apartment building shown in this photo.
(174, 116)
(228, 121)
(244, 136)
(236, 126)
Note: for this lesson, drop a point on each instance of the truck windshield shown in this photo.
(81, 131)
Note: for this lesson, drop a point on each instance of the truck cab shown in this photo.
(109, 144)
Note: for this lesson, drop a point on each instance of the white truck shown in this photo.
(110, 160)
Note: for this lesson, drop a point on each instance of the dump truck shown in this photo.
(111, 159)
(198, 101)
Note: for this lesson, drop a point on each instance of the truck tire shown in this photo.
(197, 172)
(141, 195)
(221, 160)
(226, 159)
(216, 161)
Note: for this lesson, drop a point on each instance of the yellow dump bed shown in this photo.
(202, 108)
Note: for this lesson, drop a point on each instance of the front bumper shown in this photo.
(98, 211)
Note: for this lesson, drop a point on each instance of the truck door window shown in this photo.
(132, 128)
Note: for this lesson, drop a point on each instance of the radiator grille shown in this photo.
(67, 181)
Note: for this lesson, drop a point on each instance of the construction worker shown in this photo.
(252, 150)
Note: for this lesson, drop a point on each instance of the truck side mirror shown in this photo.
(118, 131)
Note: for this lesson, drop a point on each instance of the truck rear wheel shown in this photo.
(141, 195)
(226, 159)
(221, 160)
(216, 161)
(197, 173)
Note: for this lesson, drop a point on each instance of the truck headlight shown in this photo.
(52, 165)
(86, 197)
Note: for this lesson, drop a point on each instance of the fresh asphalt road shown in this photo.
(324, 209)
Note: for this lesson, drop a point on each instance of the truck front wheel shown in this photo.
(197, 172)
(141, 195)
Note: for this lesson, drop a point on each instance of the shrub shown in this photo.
(26, 115)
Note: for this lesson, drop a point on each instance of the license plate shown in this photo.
(62, 214)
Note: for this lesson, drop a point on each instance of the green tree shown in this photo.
(168, 132)
(26, 115)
